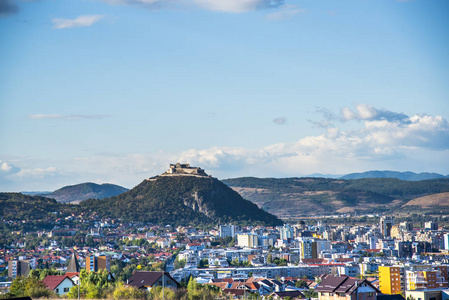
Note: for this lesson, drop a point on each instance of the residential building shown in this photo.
(59, 284)
(386, 223)
(308, 249)
(346, 288)
(431, 225)
(95, 263)
(430, 279)
(227, 230)
(432, 294)
(18, 268)
(146, 280)
(390, 282)
(247, 240)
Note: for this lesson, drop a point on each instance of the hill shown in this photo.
(18, 207)
(83, 191)
(438, 201)
(181, 200)
(297, 197)
(409, 176)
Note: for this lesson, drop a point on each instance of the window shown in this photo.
(57, 291)
(370, 294)
(66, 290)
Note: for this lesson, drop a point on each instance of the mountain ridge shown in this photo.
(298, 197)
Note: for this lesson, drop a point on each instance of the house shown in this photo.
(148, 279)
(60, 284)
(346, 288)
(237, 293)
(290, 294)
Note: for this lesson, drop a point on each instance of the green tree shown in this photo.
(29, 286)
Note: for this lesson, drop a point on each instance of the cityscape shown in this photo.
(224, 149)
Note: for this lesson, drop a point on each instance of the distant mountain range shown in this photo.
(83, 191)
(409, 176)
(203, 199)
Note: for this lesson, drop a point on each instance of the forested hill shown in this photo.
(295, 197)
(18, 207)
(83, 191)
(181, 200)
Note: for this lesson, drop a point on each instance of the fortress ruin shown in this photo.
(184, 169)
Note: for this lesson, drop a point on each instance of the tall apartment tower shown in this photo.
(308, 249)
(227, 230)
(386, 223)
(18, 268)
(96, 263)
(390, 280)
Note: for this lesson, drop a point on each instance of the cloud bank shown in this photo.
(383, 140)
(81, 21)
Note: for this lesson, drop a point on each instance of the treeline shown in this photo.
(100, 285)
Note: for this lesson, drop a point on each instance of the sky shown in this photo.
(113, 91)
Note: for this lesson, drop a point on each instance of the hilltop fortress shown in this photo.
(184, 169)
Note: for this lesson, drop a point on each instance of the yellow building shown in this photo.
(395, 232)
(390, 280)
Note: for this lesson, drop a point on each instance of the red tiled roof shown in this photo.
(235, 292)
(221, 285)
(52, 281)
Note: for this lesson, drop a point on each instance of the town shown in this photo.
(293, 261)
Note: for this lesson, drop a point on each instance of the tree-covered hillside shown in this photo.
(181, 200)
(18, 207)
(83, 191)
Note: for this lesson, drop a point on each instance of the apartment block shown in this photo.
(390, 282)
(96, 263)
(18, 268)
(247, 240)
(431, 279)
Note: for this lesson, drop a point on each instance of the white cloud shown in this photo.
(230, 6)
(37, 173)
(7, 168)
(368, 112)
(80, 21)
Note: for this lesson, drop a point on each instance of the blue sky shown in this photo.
(115, 90)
